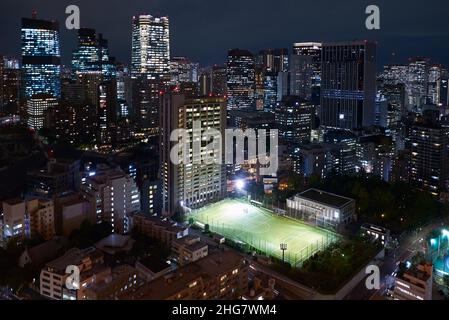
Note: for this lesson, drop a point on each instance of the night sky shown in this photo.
(203, 30)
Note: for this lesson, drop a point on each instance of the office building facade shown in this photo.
(348, 85)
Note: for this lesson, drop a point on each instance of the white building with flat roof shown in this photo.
(115, 195)
(321, 208)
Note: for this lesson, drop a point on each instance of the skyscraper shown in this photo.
(270, 91)
(183, 70)
(41, 57)
(9, 84)
(241, 79)
(274, 60)
(305, 70)
(418, 78)
(92, 54)
(294, 118)
(219, 80)
(151, 47)
(348, 84)
(429, 155)
(150, 66)
(85, 57)
(192, 184)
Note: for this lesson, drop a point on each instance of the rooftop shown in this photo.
(13, 202)
(206, 268)
(326, 198)
(154, 264)
(72, 257)
(115, 242)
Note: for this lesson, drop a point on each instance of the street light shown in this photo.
(240, 184)
(283, 247)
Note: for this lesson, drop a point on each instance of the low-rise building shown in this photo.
(13, 218)
(115, 243)
(261, 290)
(322, 208)
(151, 267)
(42, 253)
(160, 230)
(189, 249)
(70, 212)
(90, 264)
(28, 218)
(414, 283)
(121, 279)
(376, 233)
(42, 218)
(219, 276)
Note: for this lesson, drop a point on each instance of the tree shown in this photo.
(446, 281)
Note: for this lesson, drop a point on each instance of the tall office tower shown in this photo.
(283, 85)
(107, 112)
(124, 91)
(90, 82)
(241, 79)
(37, 105)
(259, 87)
(273, 60)
(219, 80)
(107, 63)
(41, 62)
(145, 102)
(11, 84)
(418, 77)
(381, 111)
(429, 155)
(192, 184)
(443, 90)
(92, 55)
(270, 91)
(305, 70)
(151, 47)
(183, 70)
(115, 196)
(205, 83)
(150, 66)
(76, 118)
(393, 74)
(85, 58)
(395, 96)
(294, 118)
(435, 87)
(348, 84)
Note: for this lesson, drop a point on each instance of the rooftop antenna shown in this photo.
(34, 14)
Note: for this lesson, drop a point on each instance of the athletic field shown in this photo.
(259, 228)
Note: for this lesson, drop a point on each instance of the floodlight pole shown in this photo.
(283, 247)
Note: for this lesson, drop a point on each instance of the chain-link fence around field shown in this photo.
(251, 241)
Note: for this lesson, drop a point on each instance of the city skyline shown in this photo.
(303, 166)
(401, 28)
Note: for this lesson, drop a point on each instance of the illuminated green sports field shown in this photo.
(242, 222)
